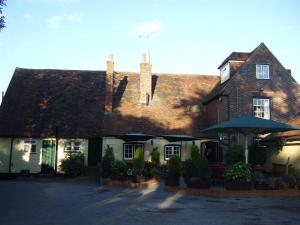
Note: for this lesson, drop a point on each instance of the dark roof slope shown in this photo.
(176, 105)
(236, 56)
(39, 100)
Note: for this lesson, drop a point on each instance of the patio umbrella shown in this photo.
(135, 137)
(250, 125)
(178, 137)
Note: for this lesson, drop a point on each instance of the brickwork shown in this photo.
(281, 88)
(109, 86)
(145, 83)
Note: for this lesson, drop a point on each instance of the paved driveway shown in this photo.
(82, 201)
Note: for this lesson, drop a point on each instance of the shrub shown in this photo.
(119, 168)
(138, 160)
(174, 166)
(195, 154)
(235, 154)
(154, 172)
(107, 161)
(155, 157)
(73, 164)
(238, 173)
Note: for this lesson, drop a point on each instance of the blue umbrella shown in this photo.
(249, 125)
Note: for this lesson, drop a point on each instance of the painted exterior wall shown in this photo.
(289, 151)
(22, 160)
(117, 145)
(4, 154)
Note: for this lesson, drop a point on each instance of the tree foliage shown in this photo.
(2, 21)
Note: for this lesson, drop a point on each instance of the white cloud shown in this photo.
(27, 16)
(147, 30)
(54, 22)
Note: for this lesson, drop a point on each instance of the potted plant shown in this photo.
(119, 170)
(138, 165)
(155, 157)
(174, 170)
(238, 177)
(154, 173)
(196, 171)
(107, 162)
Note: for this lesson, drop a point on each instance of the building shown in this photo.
(46, 114)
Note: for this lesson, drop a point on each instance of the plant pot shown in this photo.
(196, 182)
(138, 179)
(238, 186)
(172, 181)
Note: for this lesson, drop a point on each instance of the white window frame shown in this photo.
(171, 150)
(262, 71)
(72, 146)
(262, 108)
(225, 72)
(30, 146)
(129, 149)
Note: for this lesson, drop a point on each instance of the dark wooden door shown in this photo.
(94, 151)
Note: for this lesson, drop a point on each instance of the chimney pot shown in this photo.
(110, 58)
(144, 58)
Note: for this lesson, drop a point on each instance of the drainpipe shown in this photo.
(10, 155)
(56, 149)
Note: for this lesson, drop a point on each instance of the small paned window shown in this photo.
(129, 149)
(30, 146)
(72, 146)
(171, 150)
(262, 71)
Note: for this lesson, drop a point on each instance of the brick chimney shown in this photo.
(145, 81)
(109, 84)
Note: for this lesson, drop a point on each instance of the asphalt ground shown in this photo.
(53, 201)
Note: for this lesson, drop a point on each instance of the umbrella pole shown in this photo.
(246, 149)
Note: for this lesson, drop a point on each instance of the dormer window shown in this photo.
(262, 71)
(225, 72)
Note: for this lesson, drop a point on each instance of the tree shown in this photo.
(2, 22)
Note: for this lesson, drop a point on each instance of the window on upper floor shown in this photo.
(72, 146)
(30, 146)
(225, 73)
(261, 108)
(129, 149)
(262, 71)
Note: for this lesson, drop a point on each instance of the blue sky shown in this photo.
(183, 36)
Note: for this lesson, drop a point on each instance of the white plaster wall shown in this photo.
(4, 154)
(160, 143)
(22, 160)
(291, 151)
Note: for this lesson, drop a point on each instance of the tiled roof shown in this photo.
(176, 106)
(236, 56)
(39, 100)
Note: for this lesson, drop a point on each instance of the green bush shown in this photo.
(238, 173)
(119, 168)
(73, 164)
(195, 154)
(154, 172)
(235, 154)
(107, 161)
(155, 157)
(138, 160)
(174, 166)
